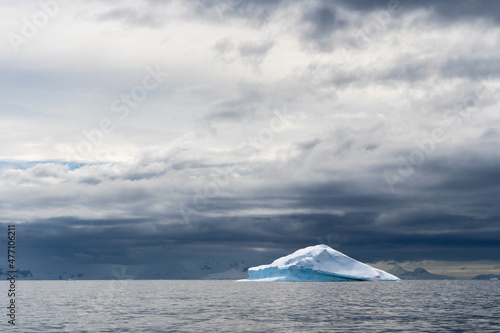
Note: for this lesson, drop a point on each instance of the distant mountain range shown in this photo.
(20, 274)
(236, 271)
(418, 274)
(232, 271)
(487, 277)
(68, 276)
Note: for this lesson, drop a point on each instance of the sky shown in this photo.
(164, 135)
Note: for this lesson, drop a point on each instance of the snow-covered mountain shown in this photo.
(25, 275)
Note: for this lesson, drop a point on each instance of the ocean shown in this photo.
(229, 306)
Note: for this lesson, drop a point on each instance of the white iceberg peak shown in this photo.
(318, 263)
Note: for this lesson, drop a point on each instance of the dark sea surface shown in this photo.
(229, 306)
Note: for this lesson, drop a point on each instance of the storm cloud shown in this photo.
(158, 134)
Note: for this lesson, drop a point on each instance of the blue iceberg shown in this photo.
(319, 263)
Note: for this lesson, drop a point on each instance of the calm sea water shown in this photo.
(228, 306)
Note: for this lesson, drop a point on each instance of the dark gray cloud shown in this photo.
(135, 243)
(320, 23)
(449, 9)
(321, 18)
(446, 211)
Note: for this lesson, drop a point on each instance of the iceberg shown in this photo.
(319, 263)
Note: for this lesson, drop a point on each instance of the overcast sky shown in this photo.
(160, 133)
